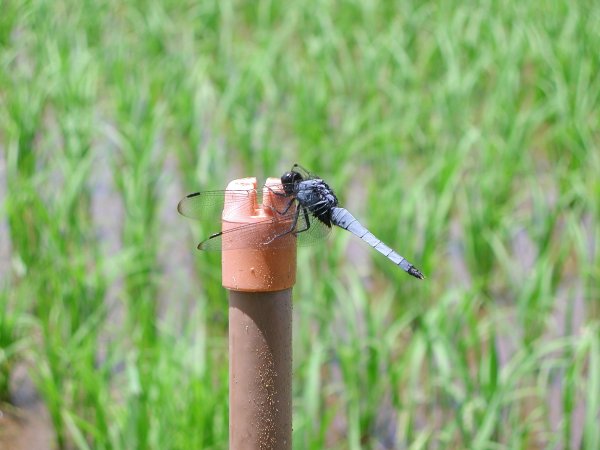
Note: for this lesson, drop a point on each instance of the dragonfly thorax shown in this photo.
(317, 197)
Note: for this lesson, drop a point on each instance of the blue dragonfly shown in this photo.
(306, 204)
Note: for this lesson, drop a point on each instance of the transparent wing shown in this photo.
(316, 231)
(272, 233)
(208, 205)
(302, 171)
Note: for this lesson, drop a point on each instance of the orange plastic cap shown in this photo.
(248, 264)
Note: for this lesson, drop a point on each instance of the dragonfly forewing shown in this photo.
(208, 205)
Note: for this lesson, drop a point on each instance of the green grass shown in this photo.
(475, 129)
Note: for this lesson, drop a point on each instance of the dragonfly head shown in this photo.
(289, 181)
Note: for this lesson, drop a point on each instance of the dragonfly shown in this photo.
(305, 204)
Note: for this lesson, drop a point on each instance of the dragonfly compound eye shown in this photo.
(289, 179)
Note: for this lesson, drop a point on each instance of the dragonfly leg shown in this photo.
(291, 230)
(277, 193)
(285, 210)
(306, 219)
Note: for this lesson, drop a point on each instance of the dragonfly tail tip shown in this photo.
(416, 273)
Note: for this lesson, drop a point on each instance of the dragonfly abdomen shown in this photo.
(342, 218)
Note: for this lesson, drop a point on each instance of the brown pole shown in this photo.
(260, 370)
(260, 325)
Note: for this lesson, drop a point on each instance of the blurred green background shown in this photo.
(464, 134)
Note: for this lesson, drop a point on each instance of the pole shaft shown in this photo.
(260, 370)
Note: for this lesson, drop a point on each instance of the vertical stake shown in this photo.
(260, 281)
